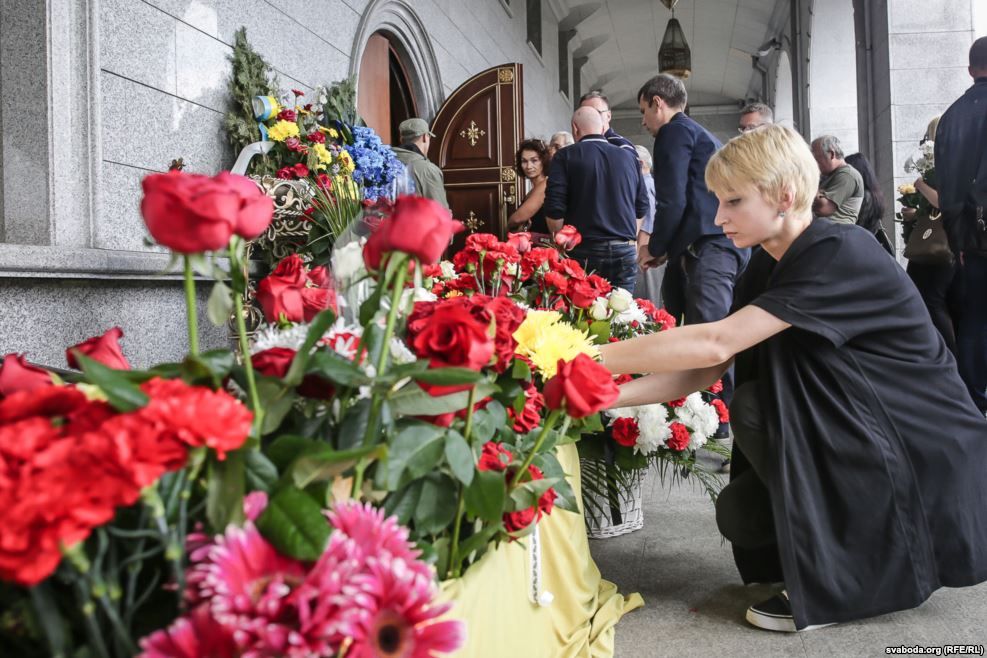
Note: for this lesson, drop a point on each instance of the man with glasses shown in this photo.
(601, 104)
(753, 116)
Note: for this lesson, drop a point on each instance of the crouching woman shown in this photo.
(863, 439)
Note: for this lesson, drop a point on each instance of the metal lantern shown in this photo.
(674, 56)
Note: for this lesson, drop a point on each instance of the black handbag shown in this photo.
(928, 243)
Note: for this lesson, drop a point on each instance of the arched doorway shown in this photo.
(384, 92)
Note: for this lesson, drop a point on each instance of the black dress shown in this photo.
(877, 453)
(538, 223)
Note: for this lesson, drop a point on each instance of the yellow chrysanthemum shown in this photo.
(347, 161)
(545, 339)
(324, 155)
(282, 130)
(332, 132)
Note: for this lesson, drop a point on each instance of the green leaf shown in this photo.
(416, 450)
(354, 425)
(294, 523)
(460, 457)
(122, 394)
(527, 494)
(224, 493)
(485, 496)
(286, 449)
(260, 472)
(220, 304)
(552, 469)
(277, 401)
(209, 368)
(478, 541)
(521, 370)
(403, 502)
(325, 463)
(449, 376)
(316, 331)
(412, 401)
(370, 307)
(592, 424)
(337, 368)
(487, 421)
(437, 505)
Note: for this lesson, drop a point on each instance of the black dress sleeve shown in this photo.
(836, 282)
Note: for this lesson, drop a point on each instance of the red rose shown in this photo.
(189, 213)
(287, 115)
(679, 440)
(717, 386)
(422, 228)
(521, 241)
(316, 137)
(286, 173)
(316, 300)
(601, 285)
(515, 522)
(197, 415)
(530, 416)
(295, 144)
(256, 208)
(568, 237)
(16, 374)
(721, 410)
(494, 457)
(453, 337)
(300, 170)
(280, 293)
(625, 431)
(105, 349)
(581, 387)
(273, 362)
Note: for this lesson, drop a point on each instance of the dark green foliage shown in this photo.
(251, 76)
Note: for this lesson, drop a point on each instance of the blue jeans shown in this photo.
(615, 262)
(971, 326)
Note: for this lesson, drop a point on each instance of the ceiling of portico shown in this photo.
(621, 39)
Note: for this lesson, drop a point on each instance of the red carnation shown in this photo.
(677, 403)
(717, 386)
(105, 349)
(300, 170)
(557, 281)
(582, 294)
(679, 440)
(316, 137)
(297, 92)
(530, 416)
(625, 431)
(287, 115)
(721, 410)
(581, 387)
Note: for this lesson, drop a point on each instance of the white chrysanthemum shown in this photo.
(347, 261)
(599, 309)
(701, 419)
(620, 299)
(344, 340)
(632, 313)
(401, 353)
(652, 421)
(622, 412)
(448, 269)
(270, 336)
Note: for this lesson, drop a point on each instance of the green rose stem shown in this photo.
(455, 567)
(400, 275)
(173, 551)
(549, 422)
(192, 314)
(241, 331)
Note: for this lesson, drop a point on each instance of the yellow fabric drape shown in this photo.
(492, 597)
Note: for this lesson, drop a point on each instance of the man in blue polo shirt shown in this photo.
(597, 188)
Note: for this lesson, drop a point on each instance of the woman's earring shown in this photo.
(781, 213)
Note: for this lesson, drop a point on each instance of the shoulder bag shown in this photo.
(928, 243)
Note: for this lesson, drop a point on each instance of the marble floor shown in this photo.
(695, 602)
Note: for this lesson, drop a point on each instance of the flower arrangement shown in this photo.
(376, 165)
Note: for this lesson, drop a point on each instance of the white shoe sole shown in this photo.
(779, 624)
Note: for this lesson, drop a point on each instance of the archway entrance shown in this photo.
(384, 93)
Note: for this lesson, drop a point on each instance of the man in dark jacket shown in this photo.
(703, 264)
(961, 171)
(415, 140)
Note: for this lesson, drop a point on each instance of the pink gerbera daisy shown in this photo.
(393, 615)
(194, 636)
(374, 534)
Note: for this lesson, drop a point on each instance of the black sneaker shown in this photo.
(775, 614)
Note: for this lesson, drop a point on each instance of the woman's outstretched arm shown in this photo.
(666, 386)
(693, 347)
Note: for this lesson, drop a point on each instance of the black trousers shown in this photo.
(698, 286)
(743, 508)
(935, 285)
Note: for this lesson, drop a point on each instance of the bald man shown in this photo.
(595, 187)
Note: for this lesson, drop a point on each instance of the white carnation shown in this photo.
(632, 313)
(701, 419)
(448, 269)
(652, 421)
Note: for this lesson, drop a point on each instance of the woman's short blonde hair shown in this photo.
(773, 159)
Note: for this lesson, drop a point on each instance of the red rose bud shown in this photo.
(295, 144)
(521, 241)
(316, 137)
(188, 213)
(581, 387)
(105, 349)
(530, 416)
(582, 294)
(287, 115)
(495, 457)
(679, 440)
(568, 237)
(677, 403)
(273, 362)
(421, 228)
(16, 374)
(280, 293)
(286, 173)
(625, 431)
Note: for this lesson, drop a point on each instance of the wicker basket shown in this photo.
(605, 520)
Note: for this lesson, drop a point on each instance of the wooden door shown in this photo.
(477, 130)
(373, 90)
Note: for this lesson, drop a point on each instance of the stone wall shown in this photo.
(134, 84)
